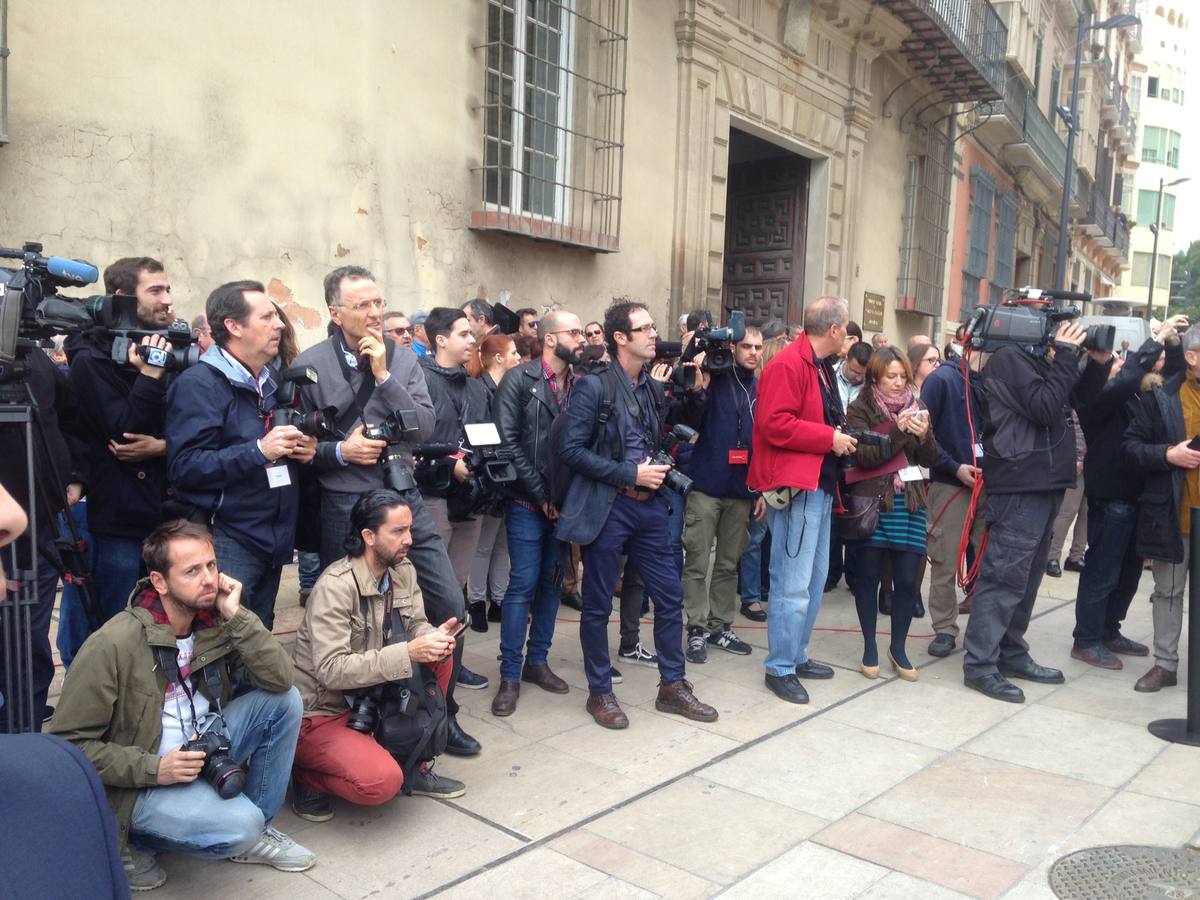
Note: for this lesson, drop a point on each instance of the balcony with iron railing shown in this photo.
(1045, 140)
(1108, 88)
(959, 46)
(1121, 237)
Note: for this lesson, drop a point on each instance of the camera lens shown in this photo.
(226, 776)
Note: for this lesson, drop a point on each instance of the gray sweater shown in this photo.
(405, 389)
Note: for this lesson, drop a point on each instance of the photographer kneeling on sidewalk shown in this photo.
(365, 631)
(153, 699)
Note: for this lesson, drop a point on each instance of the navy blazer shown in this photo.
(600, 471)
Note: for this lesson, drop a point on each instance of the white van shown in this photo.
(1119, 313)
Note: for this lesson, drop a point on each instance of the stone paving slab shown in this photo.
(876, 789)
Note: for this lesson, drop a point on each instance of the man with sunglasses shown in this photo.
(530, 320)
(397, 327)
(613, 430)
(593, 334)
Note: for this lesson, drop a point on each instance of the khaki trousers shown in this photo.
(706, 520)
(944, 538)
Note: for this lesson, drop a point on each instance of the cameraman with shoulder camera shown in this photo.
(1028, 463)
(458, 400)
(370, 381)
(224, 458)
(528, 400)
(122, 413)
(720, 405)
(194, 760)
(1112, 567)
(613, 507)
(364, 627)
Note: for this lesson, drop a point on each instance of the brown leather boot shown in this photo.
(606, 711)
(544, 678)
(677, 698)
(505, 701)
(1155, 680)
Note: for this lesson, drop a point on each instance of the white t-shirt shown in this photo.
(175, 732)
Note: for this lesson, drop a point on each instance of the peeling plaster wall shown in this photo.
(276, 140)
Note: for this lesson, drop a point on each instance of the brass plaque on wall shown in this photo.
(872, 316)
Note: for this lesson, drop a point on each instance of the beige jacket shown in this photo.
(336, 652)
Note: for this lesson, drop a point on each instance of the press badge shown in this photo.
(739, 456)
(913, 473)
(278, 476)
(979, 451)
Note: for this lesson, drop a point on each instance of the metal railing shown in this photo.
(960, 46)
(1013, 103)
(978, 32)
(1120, 235)
(1040, 135)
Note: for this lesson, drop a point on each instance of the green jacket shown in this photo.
(112, 700)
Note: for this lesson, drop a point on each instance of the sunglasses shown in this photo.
(594, 333)
(398, 331)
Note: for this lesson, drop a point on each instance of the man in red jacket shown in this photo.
(797, 440)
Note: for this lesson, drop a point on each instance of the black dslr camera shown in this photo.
(226, 776)
(675, 480)
(717, 346)
(364, 710)
(1028, 318)
(400, 427)
(319, 423)
(871, 439)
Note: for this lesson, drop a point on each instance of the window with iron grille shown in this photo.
(1006, 236)
(924, 225)
(554, 119)
(983, 190)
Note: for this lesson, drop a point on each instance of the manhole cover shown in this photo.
(1127, 873)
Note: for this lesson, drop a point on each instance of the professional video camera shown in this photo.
(675, 480)
(1028, 318)
(32, 311)
(490, 464)
(715, 343)
(400, 427)
(319, 423)
(220, 770)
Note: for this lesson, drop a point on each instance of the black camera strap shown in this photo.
(639, 413)
(365, 389)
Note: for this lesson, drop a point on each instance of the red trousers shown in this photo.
(335, 759)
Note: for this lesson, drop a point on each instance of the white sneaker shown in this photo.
(279, 851)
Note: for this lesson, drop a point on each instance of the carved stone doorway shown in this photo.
(767, 208)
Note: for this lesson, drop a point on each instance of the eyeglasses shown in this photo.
(399, 330)
(573, 332)
(367, 304)
(533, 323)
(645, 329)
(594, 333)
(933, 360)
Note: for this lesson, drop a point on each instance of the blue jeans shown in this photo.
(116, 565)
(639, 530)
(750, 566)
(260, 579)
(1111, 572)
(310, 569)
(192, 818)
(799, 563)
(532, 595)
(73, 627)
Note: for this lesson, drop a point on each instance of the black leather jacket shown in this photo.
(523, 408)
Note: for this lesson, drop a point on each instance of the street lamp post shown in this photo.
(1154, 229)
(1121, 21)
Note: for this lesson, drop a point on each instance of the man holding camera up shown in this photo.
(1028, 463)
(193, 759)
(528, 400)
(370, 381)
(122, 413)
(613, 431)
(797, 442)
(224, 458)
(721, 407)
(365, 628)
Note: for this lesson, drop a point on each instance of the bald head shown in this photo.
(824, 313)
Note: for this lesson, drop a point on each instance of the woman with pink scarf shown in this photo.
(888, 404)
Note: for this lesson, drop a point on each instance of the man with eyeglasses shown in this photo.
(396, 326)
(614, 428)
(365, 378)
(528, 400)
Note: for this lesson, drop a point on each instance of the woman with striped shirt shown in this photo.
(888, 404)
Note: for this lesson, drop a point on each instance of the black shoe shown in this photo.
(614, 675)
(472, 681)
(995, 686)
(919, 609)
(754, 615)
(458, 742)
(830, 585)
(479, 619)
(787, 687)
(941, 645)
(727, 640)
(572, 600)
(427, 784)
(1074, 565)
(814, 669)
(313, 806)
(1053, 569)
(697, 649)
(494, 612)
(885, 604)
(1032, 672)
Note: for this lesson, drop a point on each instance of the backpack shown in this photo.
(561, 474)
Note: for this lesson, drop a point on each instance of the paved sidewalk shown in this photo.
(879, 789)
